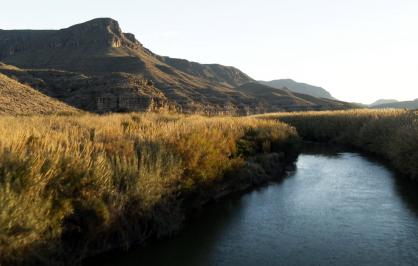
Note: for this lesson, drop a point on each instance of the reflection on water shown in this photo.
(334, 208)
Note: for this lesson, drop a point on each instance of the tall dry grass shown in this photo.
(71, 186)
(390, 133)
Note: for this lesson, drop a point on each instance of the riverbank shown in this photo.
(75, 186)
(390, 134)
(336, 207)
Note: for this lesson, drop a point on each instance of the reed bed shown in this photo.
(389, 133)
(73, 186)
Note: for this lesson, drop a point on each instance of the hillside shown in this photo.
(402, 105)
(18, 99)
(383, 101)
(299, 88)
(269, 97)
(114, 92)
(96, 67)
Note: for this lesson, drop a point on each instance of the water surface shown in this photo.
(334, 208)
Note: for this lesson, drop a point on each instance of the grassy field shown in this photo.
(72, 186)
(391, 134)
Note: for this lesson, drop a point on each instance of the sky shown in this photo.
(359, 50)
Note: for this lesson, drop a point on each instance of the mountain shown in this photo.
(359, 105)
(19, 99)
(269, 98)
(383, 101)
(299, 88)
(96, 67)
(105, 93)
(403, 105)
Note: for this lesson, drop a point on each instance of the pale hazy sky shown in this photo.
(359, 50)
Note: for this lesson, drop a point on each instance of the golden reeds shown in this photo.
(390, 133)
(92, 181)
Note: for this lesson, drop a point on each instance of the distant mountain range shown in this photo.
(299, 88)
(383, 101)
(395, 104)
(390, 103)
(96, 67)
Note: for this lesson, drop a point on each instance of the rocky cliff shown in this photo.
(96, 33)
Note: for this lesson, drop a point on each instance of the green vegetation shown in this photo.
(73, 186)
(390, 134)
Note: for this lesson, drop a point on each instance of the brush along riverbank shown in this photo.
(75, 186)
(391, 134)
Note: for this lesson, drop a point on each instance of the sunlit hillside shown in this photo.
(20, 99)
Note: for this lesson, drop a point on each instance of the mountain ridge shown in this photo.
(299, 87)
(399, 104)
(383, 101)
(102, 55)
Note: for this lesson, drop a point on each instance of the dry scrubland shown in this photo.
(72, 186)
(391, 134)
(76, 185)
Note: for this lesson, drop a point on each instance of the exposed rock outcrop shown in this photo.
(103, 32)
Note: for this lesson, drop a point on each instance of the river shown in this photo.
(335, 208)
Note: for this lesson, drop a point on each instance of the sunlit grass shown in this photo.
(80, 184)
(390, 133)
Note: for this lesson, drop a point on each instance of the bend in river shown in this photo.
(335, 208)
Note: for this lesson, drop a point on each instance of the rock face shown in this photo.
(101, 32)
(116, 92)
(96, 67)
(96, 33)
